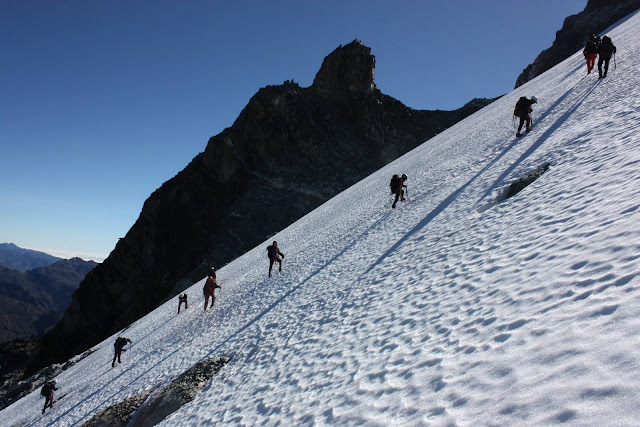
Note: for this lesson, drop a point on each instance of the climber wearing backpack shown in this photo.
(523, 112)
(397, 186)
(591, 51)
(118, 348)
(47, 391)
(274, 255)
(605, 51)
(209, 289)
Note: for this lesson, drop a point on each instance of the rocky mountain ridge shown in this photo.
(291, 149)
(17, 258)
(597, 16)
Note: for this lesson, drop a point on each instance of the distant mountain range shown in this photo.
(16, 258)
(35, 289)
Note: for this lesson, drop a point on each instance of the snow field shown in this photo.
(451, 309)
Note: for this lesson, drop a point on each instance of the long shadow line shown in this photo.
(542, 138)
(446, 202)
(540, 120)
(299, 285)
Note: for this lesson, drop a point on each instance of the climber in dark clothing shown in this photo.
(47, 391)
(397, 186)
(605, 51)
(118, 348)
(274, 255)
(523, 112)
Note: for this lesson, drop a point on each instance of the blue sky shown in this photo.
(103, 101)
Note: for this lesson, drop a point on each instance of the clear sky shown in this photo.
(103, 101)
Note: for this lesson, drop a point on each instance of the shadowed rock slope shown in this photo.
(290, 150)
(596, 17)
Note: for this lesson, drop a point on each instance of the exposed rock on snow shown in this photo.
(117, 415)
(149, 408)
(182, 390)
(519, 184)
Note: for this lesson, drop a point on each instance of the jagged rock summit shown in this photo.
(349, 68)
(290, 150)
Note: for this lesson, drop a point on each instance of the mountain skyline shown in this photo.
(104, 102)
(23, 259)
(454, 308)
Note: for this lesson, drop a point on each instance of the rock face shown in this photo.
(181, 391)
(596, 17)
(347, 69)
(150, 408)
(521, 183)
(290, 150)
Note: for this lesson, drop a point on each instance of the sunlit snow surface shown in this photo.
(449, 310)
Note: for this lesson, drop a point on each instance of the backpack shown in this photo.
(520, 106)
(46, 390)
(591, 47)
(606, 47)
(393, 185)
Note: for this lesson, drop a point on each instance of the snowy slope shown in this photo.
(450, 309)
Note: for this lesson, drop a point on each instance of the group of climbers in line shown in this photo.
(601, 48)
(595, 46)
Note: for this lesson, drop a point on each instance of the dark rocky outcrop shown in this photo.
(181, 391)
(521, 183)
(13, 356)
(290, 150)
(118, 415)
(150, 408)
(596, 17)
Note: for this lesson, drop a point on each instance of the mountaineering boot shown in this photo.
(518, 134)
